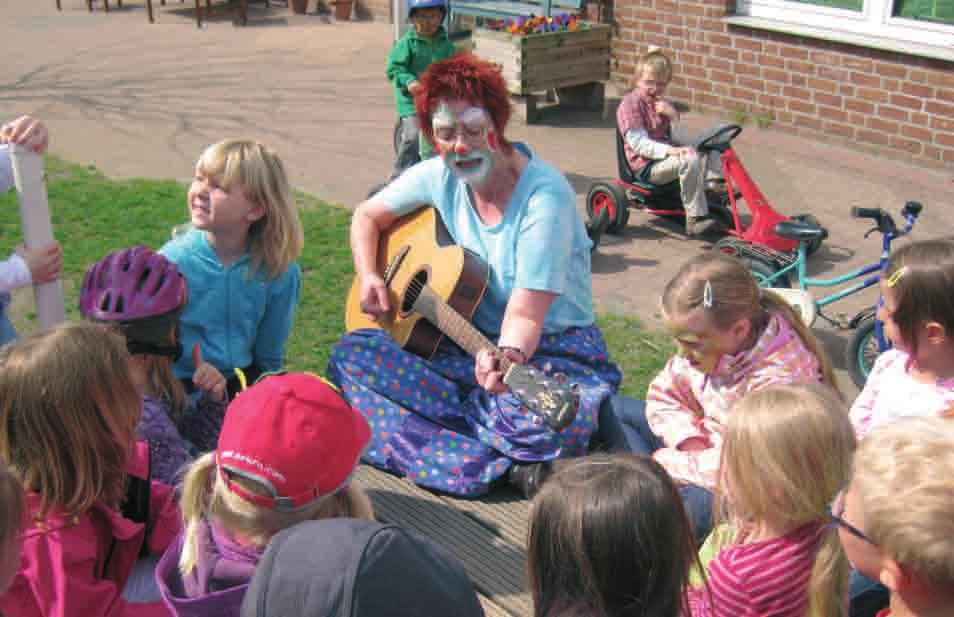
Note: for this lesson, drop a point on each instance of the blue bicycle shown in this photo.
(772, 269)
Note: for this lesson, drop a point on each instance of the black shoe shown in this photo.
(528, 477)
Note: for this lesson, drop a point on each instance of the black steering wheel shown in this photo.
(718, 138)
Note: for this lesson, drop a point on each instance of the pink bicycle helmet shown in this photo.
(137, 288)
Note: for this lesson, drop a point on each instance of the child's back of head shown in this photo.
(288, 448)
(787, 454)
(68, 412)
(901, 501)
(609, 537)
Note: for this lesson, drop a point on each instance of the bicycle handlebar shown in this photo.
(885, 222)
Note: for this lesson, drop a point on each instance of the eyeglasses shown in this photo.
(470, 132)
(836, 518)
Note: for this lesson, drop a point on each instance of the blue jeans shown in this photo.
(623, 428)
(141, 586)
(7, 332)
(866, 597)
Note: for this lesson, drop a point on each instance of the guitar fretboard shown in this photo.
(453, 324)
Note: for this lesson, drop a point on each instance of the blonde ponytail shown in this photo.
(205, 497)
(773, 303)
(196, 496)
(828, 585)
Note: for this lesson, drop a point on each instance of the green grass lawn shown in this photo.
(94, 215)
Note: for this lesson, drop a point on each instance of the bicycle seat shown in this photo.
(626, 174)
(800, 232)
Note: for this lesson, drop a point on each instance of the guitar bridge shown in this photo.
(394, 264)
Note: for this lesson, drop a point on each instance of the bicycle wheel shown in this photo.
(763, 271)
(862, 351)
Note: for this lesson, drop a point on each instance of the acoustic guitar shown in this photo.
(434, 287)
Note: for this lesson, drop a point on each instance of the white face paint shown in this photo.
(462, 140)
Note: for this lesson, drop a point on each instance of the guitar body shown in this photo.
(419, 251)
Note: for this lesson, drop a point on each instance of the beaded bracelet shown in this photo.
(523, 355)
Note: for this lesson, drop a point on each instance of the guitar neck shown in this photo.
(451, 323)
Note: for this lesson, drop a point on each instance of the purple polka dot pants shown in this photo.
(432, 424)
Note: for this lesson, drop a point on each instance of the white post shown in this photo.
(400, 17)
(37, 230)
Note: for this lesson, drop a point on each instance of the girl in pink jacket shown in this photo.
(68, 415)
(731, 338)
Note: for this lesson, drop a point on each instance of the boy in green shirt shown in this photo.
(426, 43)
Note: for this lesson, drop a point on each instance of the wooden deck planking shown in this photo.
(488, 536)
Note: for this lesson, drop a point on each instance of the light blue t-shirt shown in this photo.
(541, 243)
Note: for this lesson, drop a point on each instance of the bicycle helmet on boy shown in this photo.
(412, 5)
(142, 292)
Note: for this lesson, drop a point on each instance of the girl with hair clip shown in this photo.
(288, 448)
(917, 313)
(238, 255)
(609, 538)
(68, 415)
(143, 293)
(786, 456)
(732, 338)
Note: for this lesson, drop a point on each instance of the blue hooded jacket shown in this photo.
(238, 320)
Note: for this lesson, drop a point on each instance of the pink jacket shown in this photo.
(891, 393)
(77, 566)
(683, 402)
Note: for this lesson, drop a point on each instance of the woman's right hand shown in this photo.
(374, 297)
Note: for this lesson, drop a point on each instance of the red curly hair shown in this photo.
(465, 77)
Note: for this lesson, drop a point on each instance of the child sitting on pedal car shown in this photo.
(645, 119)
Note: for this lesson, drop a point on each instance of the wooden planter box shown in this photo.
(561, 61)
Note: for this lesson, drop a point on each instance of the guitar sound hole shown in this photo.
(413, 291)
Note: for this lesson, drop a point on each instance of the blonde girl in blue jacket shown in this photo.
(238, 255)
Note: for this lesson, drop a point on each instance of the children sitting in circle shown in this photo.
(286, 454)
(143, 293)
(917, 313)
(238, 255)
(786, 454)
(896, 519)
(645, 121)
(68, 414)
(732, 338)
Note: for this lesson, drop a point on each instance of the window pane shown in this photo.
(850, 5)
(929, 10)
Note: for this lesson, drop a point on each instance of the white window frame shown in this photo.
(874, 20)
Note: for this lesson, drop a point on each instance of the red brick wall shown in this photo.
(891, 103)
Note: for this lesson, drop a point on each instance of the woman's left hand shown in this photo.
(207, 377)
(487, 369)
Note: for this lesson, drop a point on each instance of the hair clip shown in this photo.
(896, 276)
(707, 295)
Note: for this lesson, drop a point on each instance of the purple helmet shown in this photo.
(132, 285)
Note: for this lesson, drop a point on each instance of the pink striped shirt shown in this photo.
(766, 579)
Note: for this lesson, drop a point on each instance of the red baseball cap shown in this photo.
(294, 434)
